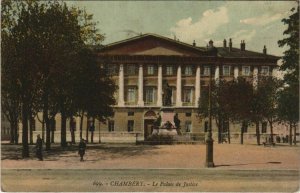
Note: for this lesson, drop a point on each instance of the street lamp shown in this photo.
(209, 141)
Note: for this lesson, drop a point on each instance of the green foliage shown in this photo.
(291, 56)
(46, 61)
(288, 103)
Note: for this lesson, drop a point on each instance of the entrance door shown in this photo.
(148, 123)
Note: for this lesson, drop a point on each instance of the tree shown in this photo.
(267, 94)
(288, 110)
(43, 41)
(288, 106)
(94, 89)
(218, 111)
(237, 99)
(10, 100)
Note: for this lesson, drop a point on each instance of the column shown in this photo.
(159, 86)
(178, 89)
(197, 86)
(217, 74)
(140, 86)
(236, 72)
(121, 86)
(255, 77)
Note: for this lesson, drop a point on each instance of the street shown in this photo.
(128, 167)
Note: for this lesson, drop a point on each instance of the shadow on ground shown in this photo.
(14, 152)
(226, 165)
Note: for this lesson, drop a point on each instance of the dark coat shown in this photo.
(82, 147)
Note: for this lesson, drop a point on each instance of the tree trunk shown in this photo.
(63, 134)
(228, 134)
(257, 133)
(16, 130)
(271, 131)
(81, 124)
(25, 150)
(295, 131)
(43, 129)
(219, 123)
(46, 119)
(242, 135)
(30, 131)
(290, 136)
(12, 132)
(52, 130)
(92, 132)
(87, 129)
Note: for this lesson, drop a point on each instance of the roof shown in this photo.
(220, 51)
(156, 36)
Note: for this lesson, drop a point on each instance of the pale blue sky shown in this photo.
(258, 23)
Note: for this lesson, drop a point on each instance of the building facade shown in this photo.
(140, 67)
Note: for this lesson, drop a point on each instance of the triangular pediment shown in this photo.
(152, 45)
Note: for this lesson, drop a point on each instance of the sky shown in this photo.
(256, 22)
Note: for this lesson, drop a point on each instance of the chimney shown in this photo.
(211, 43)
(194, 43)
(224, 43)
(230, 45)
(243, 45)
(265, 50)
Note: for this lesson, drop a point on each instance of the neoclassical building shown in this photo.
(140, 66)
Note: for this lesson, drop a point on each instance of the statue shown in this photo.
(177, 123)
(157, 122)
(167, 95)
(176, 120)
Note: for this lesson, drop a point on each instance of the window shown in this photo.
(169, 70)
(188, 126)
(130, 125)
(131, 69)
(226, 70)
(188, 114)
(205, 126)
(246, 70)
(265, 70)
(264, 127)
(188, 95)
(150, 70)
(111, 126)
(188, 71)
(131, 95)
(130, 113)
(150, 95)
(206, 71)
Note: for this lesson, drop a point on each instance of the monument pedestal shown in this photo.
(167, 126)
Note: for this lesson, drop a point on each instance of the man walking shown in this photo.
(82, 147)
(39, 148)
